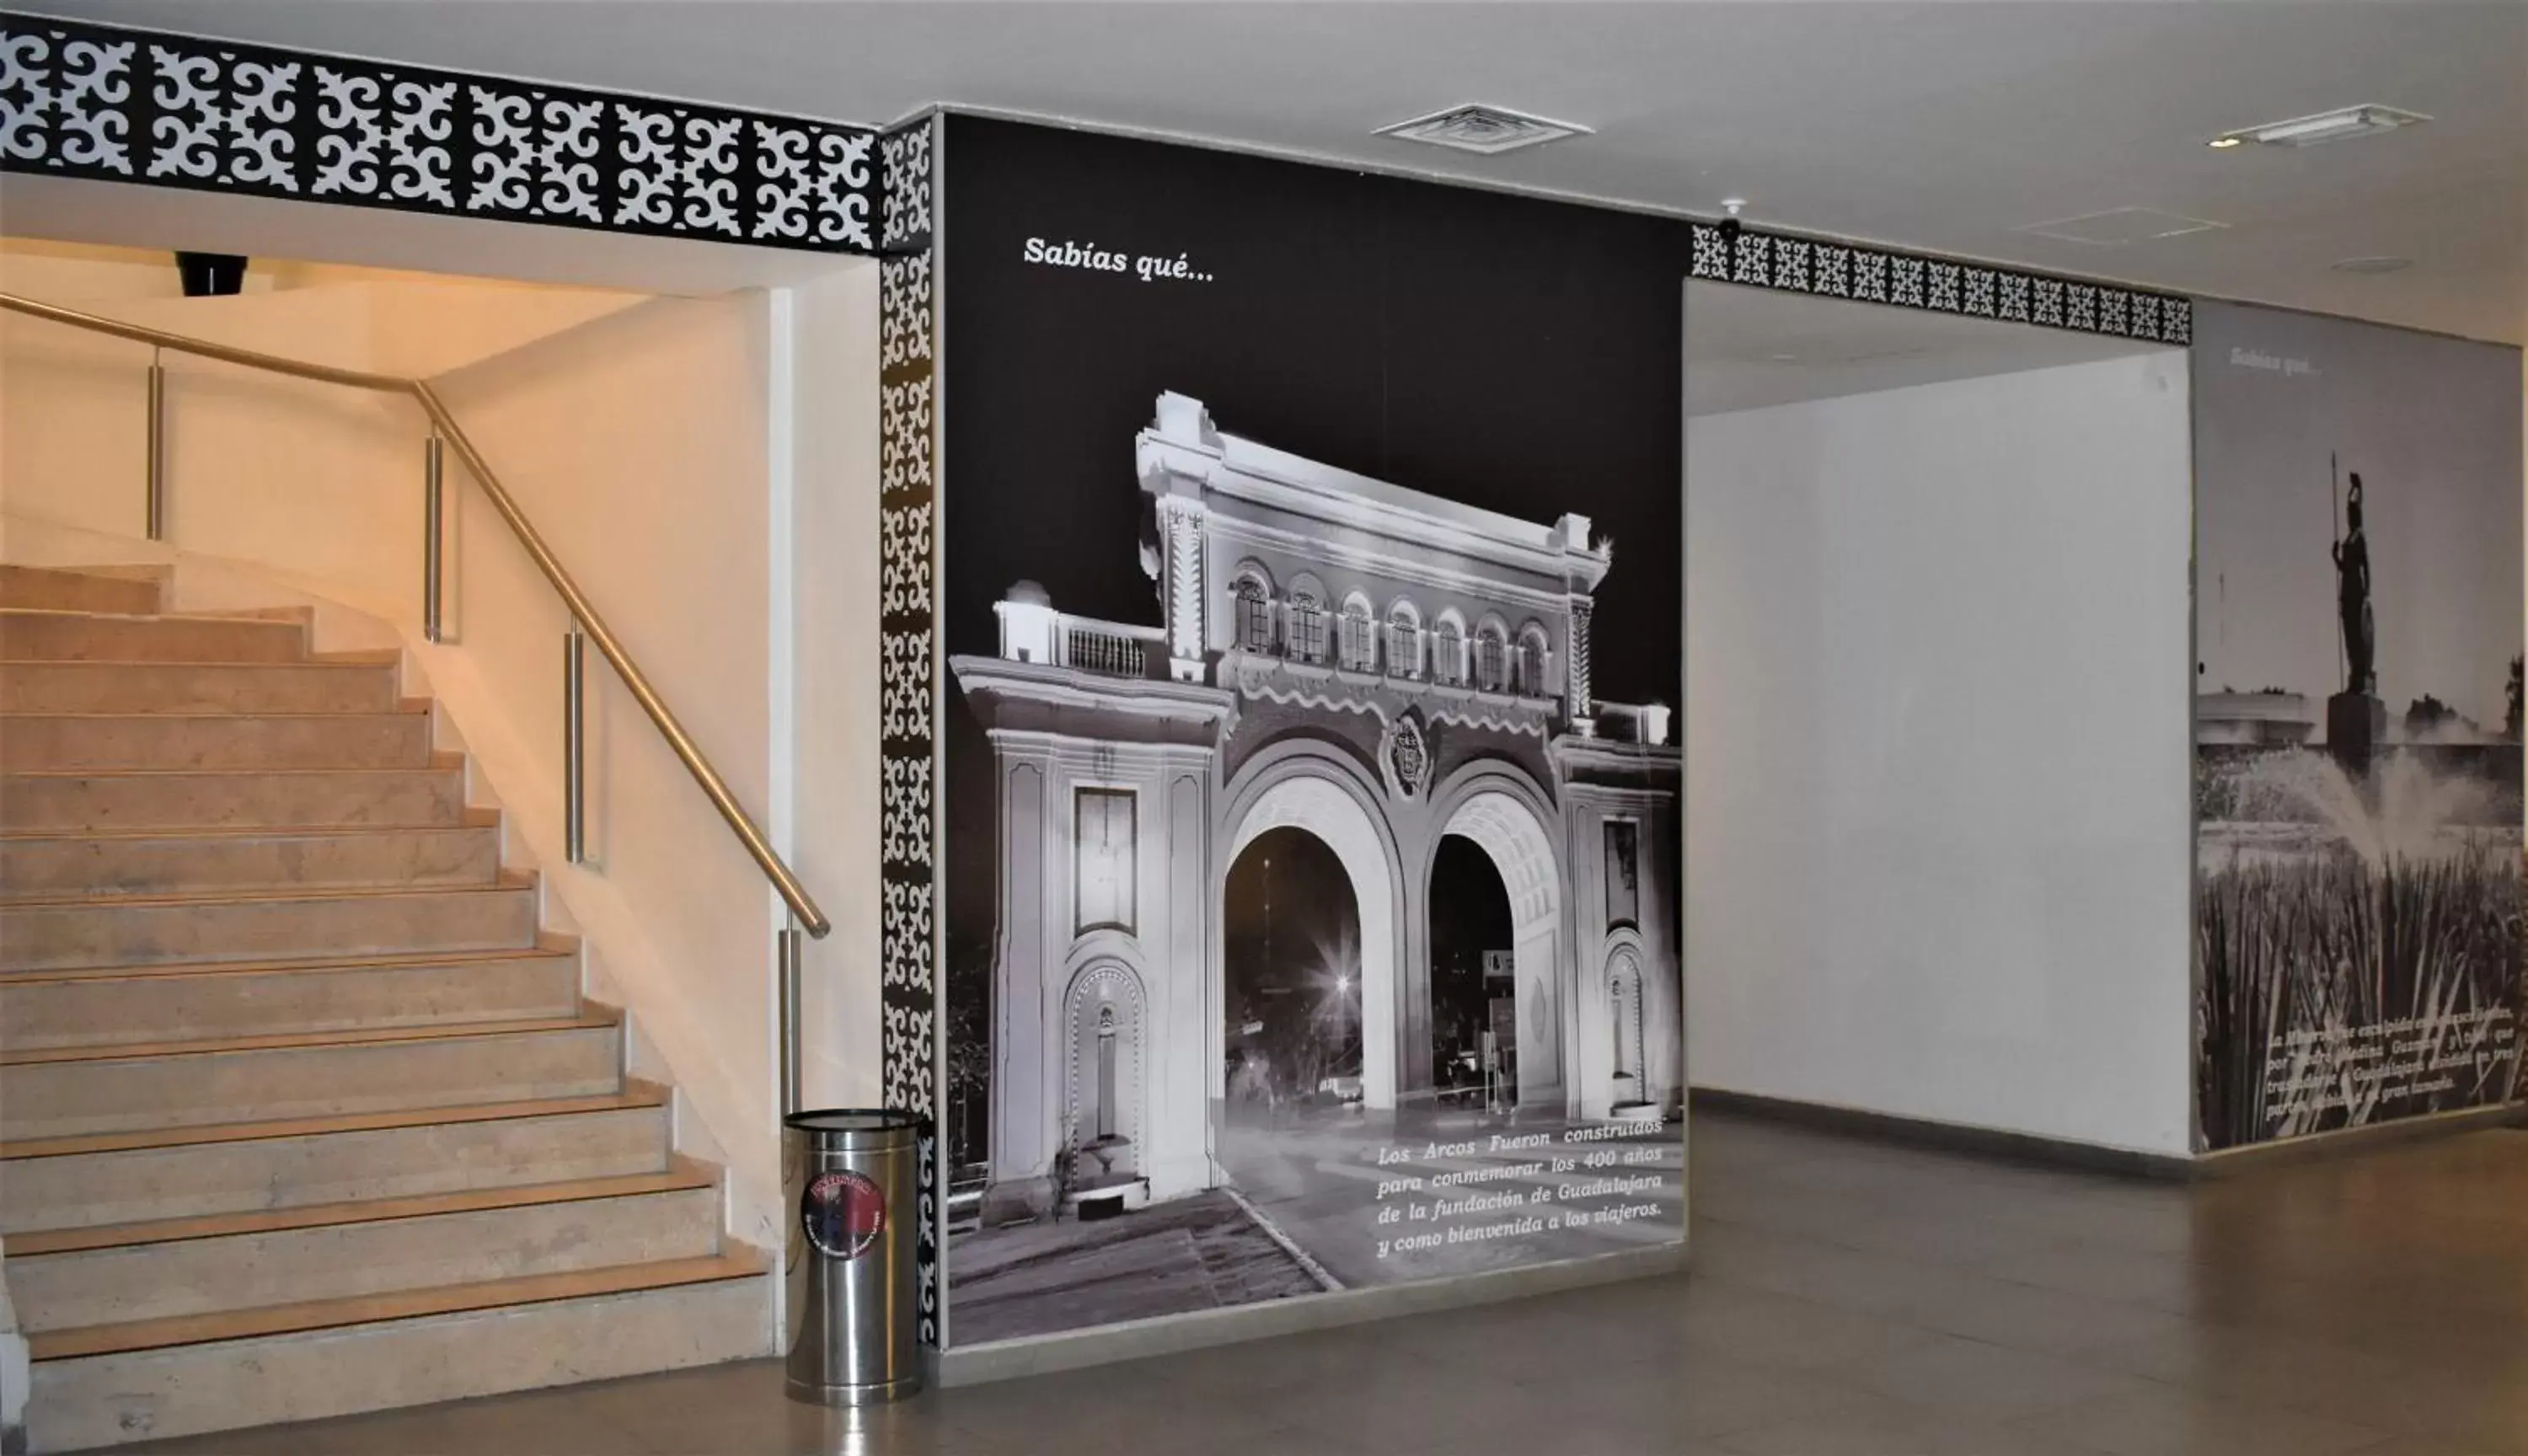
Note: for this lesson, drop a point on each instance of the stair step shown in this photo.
(180, 1376)
(29, 633)
(300, 1114)
(30, 741)
(175, 1173)
(330, 798)
(112, 1006)
(60, 866)
(134, 1271)
(107, 589)
(132, 930)
(60, 1092)
(321, 687)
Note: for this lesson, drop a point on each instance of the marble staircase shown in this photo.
(301, 1111)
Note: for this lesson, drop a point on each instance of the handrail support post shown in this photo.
(793, 945)
(431, 562)
(156, 511)
(574, 744)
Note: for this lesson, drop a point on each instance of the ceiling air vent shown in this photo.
(1486, 130)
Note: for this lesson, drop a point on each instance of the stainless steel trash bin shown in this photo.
(850, 1179)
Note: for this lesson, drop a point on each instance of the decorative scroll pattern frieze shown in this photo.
(906, 155)
(89, 101)
(909, 673)
(1838, 270)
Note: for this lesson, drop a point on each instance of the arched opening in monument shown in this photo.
(1625, 1018)
(1474, 983)
(1521, 954)
(1292, 984)
(1105, 1100)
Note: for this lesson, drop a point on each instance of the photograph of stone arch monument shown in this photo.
(1331, 874)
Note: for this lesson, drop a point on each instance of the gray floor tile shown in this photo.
(1847, 1298)
(2168, 1421)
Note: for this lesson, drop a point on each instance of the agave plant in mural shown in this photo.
(2359, 947)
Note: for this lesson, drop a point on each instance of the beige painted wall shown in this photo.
(834, 561)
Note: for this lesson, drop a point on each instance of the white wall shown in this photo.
(832, 538)
(705, 468)
(1938, 846)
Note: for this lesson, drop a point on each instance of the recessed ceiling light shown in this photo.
(1486, 130)
(2385, 263)
(2224, 143)
(2339, 125)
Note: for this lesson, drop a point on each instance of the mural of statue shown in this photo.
(2352, 597)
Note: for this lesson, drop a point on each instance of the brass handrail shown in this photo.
(714, 787)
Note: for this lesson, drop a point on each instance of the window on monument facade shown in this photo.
(1449, 655)
(1623, 874)
(1104, 860)
(1403, 644)
(1529, 667)
(1307, 639)
(1254, 616)
(1492, 662)
(1357, 642)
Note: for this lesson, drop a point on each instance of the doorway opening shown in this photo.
(1474, 995)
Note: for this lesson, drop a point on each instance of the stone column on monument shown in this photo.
(1185, 603)
(1577, 705)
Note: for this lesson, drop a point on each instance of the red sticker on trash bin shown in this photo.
(843, 1213)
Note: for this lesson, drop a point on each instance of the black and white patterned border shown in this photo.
(163, 110)
(909, 923)
(1869, 275)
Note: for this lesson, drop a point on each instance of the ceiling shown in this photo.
(1941, 125)
(1752, 349)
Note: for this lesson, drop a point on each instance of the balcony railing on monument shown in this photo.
(1109, 649)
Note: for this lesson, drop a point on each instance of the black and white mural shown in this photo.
(162, 110)
(2357, 724)
(1312, 610)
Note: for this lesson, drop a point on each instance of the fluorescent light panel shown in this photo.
(2339, 125)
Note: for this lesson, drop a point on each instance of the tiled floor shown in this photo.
(1847, 1299)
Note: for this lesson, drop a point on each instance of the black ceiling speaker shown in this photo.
(211, 275)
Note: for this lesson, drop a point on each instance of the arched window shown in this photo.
(1303, 638)
(1356, 642)
(1492, 658)
(1528, 667)
(1449, 652)
(1254, 612)
(1404, 641)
